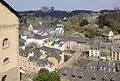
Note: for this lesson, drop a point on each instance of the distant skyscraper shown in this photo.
(44, 9)
(51, 8)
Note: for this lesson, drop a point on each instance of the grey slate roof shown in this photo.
(79, 74)
(25, 32)
(23, 53)
(36, 36)
(78, 39)
(105, 66)
(116, 45)
(52, 52)
(94, 46)
(104, 45)
(104, 52)
(116, 50)
(97, 39)
(36, 52)
(46, 28)
(32, 59)
(30, 35)
(36, 26)
(42, 63)
(21, 42)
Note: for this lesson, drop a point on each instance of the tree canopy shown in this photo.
(84, 22)
(45, 75)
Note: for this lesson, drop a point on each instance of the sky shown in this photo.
(68, 5)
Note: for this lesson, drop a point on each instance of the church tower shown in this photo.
(9, 43)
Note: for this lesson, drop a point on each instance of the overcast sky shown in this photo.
(64, 4)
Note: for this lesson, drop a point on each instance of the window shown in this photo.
(100, 68)
(5, 42)
(6, 60)
(113, 64)
(117, 56)
(4, 78)
(93, 77)
(114, 70)
(109, 69)
(73, 75)
(94, 67)
(80, 75)
(112, 78)
(113, 55)
(64, 72)
(104, 68)
(104, 78)
(91, 67)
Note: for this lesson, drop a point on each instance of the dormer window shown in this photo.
(80, 75)
(109, 69)
(5, 43)
(73, 75)
(100, 68)
(64, 72)
(94, 67)
(109, 63)
(112, 78)
(104, 78)
(113, 64)
(114, 70)
(93, 77)
(104, 68)
(91, 67)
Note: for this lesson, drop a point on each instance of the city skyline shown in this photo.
(67, 5)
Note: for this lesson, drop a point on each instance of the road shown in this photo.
(72, 60)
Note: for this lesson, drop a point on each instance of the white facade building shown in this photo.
(94, 50)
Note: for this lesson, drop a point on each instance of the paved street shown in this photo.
(73, 59)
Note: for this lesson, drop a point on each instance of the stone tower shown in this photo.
(9, 43)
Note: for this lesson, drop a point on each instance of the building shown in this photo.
(116, 38)
(35, 27)
(44, 9)
(51, 9)
(74, 42)
(94, 50)
(115, 54)
(53, 55)
(105, 50)
(108, 35)
(59, 31)
(9, 43)
(45, 64)
(107, 66)
(22, 62)
(94, 71)
(30, 62)
(78, 74)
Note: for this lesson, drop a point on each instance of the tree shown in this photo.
(45, 75)
(101, 20)
(84, 22)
